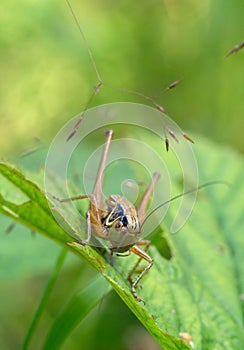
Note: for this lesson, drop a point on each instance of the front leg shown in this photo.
(88, 230)
(93, 220)
(142, 255)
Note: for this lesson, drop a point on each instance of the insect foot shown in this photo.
(133, 291)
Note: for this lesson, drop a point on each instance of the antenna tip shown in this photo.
(187, 137)
(160, 108)
(167, 143)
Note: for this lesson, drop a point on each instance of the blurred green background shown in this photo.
(46, 78)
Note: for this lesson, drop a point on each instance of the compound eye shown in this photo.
(118, 225)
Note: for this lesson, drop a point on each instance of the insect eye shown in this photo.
(119, 224)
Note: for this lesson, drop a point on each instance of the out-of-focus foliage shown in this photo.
(47, 77)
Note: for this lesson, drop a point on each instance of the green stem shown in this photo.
(45, 296)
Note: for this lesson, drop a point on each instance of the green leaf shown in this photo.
(34, 211)
(200, 289)
(44, 298)
(78, 307)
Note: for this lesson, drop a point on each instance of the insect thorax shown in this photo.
(120, 222)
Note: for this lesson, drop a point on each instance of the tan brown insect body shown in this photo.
(117, 220)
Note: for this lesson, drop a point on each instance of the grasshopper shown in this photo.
(117, 220)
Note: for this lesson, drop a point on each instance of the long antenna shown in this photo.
(101, 83)
(185, 193)
(150, 99)
(85, 41)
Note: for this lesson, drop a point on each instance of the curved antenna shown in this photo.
(85, 41)
(101, 83)
(185, 193)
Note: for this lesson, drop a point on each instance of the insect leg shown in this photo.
(94, 212)
(144, 201)
(93, 219)
(88, 220)
(97, 191)
(88, 229)
(70, 199)
(142, 255)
